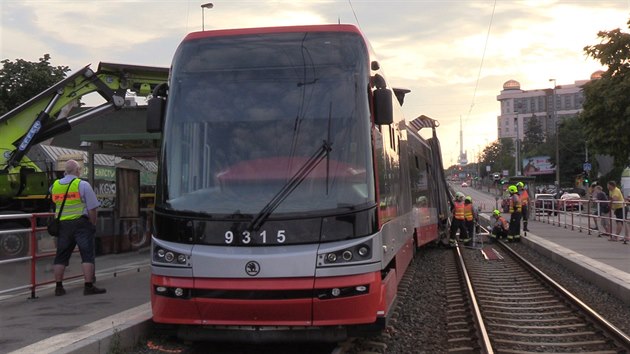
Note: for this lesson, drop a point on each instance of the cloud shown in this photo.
(434, 48)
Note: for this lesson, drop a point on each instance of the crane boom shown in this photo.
(23, 185)
(38, 118)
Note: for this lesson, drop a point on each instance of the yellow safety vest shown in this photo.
(73, 208)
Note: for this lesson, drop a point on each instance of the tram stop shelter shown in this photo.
(122, 166)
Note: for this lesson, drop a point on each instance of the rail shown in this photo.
(478, 319)
(584, 215)
(622, 339)
(10, 268)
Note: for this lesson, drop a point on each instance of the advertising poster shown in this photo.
(537, 165)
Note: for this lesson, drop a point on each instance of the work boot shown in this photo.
(59, 291)
(92, 290)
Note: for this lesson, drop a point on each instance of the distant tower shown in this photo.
(462, 160)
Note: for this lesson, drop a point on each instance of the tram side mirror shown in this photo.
(157, 108)
(383, 107)
(155, 114)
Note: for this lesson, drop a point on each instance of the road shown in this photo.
(486, 198)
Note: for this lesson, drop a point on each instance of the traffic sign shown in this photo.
(587, 166)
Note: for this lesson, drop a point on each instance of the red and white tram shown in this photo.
(291, 193)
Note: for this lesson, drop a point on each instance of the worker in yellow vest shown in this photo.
(75, 205)
(514, 233)
(459, 220)
(524, 203)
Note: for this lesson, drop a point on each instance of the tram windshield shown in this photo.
(256, 118)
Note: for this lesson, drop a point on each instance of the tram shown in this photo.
(291, 194)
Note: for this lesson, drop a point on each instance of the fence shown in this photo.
(585, 215)
(36, 266)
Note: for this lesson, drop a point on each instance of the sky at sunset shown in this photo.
(434, 48)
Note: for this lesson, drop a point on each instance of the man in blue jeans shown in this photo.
(77, 226)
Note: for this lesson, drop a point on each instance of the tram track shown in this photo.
(526, 311)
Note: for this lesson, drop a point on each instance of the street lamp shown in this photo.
(555, 120)
(516, 147)
(203, 7)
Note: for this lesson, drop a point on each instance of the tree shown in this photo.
(499, 155)
(21, 80)
(572, 150)
(606, 115)
(533, 141)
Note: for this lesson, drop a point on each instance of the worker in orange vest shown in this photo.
(459, 220)
(514, 233)
(524, 203)
(470, 215)
(500, 227)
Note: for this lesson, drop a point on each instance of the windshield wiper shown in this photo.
(291, 185)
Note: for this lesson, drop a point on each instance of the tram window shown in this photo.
(391, 137)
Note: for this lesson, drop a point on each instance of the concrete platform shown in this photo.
(75, 323)
(118, 319)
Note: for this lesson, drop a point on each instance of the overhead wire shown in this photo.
(483, 55)
(354, 13)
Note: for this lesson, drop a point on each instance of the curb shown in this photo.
(111, 334)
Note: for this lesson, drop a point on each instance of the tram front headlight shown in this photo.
(363, 251)
(357, 253)
(161, 289)
(346, 255)
(164, 256)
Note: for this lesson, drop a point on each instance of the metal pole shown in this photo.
(516, 146)
(555, 119)
(586, 148)
(203, 7)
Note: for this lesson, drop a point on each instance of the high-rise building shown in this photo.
(518, 106)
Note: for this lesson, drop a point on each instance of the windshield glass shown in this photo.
(246, 113)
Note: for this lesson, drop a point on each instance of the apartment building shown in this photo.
(547, 105)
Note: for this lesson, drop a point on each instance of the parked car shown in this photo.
(544, 203)
(569, 202)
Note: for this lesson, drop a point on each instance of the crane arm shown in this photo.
(39, 118)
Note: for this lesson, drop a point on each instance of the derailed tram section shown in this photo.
(284, 205)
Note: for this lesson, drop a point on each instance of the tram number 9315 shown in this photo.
(247, 237)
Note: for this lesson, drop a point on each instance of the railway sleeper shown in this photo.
(529, 320)
(569, 344)
(572, 335)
